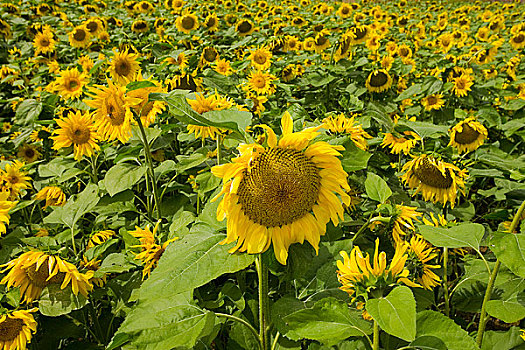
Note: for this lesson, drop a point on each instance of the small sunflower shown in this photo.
(13, 179)
(79, 37)
(16, 328)
(517, 41)
(44, 42)
(360, 34)
(208, 56)
(462, 85)
(5, 206)
(378, 81)
(28, 153)
(343, 125)
(467, 135)
(420, 252)
(70, 84)
(99, 238)
(438, 181)
(404, 222)
(211, 23)
(202, 105)
(321, 42)
(283, 193)
(186, 23)
(150, 250)
(77, 130)
(434, 101)
(261, 58)
(184, 82)
(140, 26)
(53, 195)
(244, 27)
(123, 67)
(261, 83)
(94, 26)
(400, 144)
(223, 67)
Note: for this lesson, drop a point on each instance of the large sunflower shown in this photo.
(44, 42)
(113, 114)
(79, 37)
(34, 270)
(378, 81)
(13, 179)
(437, 180)
(283, 193)
(5, 207)
(467, 135)
(77, 130)
(16, 329)
(123, 67)
(462, 85)
(186, 23)
(70, 83)
(261, 58)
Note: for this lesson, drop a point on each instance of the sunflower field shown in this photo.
(262, 175)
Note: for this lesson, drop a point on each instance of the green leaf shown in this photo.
(122, 177)
(409, 92)
(502, 340)
(135, 85)
(55, 301)
(428, 342)
(510, 250)
(460, 236)
(189, 162)
(509, 310)
(169, 322)
(395, 313)
(328, 321)
(191, 262)
(115, 263)
(379, 113)
(353, 158)
(424, 129)
(73, 210)
(28, 111)
(433, 323)
(377, 188)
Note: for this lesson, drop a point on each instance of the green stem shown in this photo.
(445, 281)
(262, 274)
(375, 345)
(73, 239)
(147, 152)
(218, 149)
(488, 292)
(240, 320)
(92, 160)
(275, 341)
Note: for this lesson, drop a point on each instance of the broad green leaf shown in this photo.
(73, 210)
(502, 340)
(328, 321)
(460, 236)
(188, 162)
(190, 262)
(353, 158)
(114, 263)
(433, 323)
(28, 111)
(510, 250)
(135, 85)
(395, 313)
(428, 342)
(122, 177)
(56, 167)
(173, 321)
(55, 301)
(424, 129)
(409, 92)
(377, 188)
(510, 310)
(379, 113)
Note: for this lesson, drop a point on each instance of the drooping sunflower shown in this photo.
(261, 58)
(244, 27)
(283, 193)
(44, 42)
(321, 41)
(79, 37)
(77, 130)
(404, 222)
(434, 101)
(202, 105)
(184, 82)
(360, 34)
(343, 125)
(400, 144)
(438, 181)
(16, 328)
(358, 276)
(99, 238)
(13, 179)
(28, 153)
(34, 270)
(53, 195)
(70, 83)
(260, 83)
(123, 66)
(5, 206)
(147, 110)
(467, 135)
(113, 116)
(420, 252)
(378, 81)
(139, 26)
(186, 23)
(151, 251)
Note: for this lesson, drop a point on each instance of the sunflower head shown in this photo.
(124, 66)
(77, 130)
(16, 328)
(467, 135)
(379, 81)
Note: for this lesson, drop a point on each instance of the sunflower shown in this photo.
(70, 84)
(211, 23)
(462, 85)
(283, 193)
(94, 26)
(202, 105)
(400, 144)
(403, 222)
(28, 153)
(293, 44)
(140, 26)
(148, 110)
(467, 135)
(99, 238)
(420, 252)
(288, 73)
(343, 47)
(113, 116)
(53, 196)
(123, 66)
(77, 130)
(434, 101)
(261, 83)
(150, 250)
(360, 34)
(517, 41)
(16, 328)
(44, 42)
(321, 42)
(343, 125)
(184, 82)
(79, 37)
(244, 27)
(34, 270)
(13, 179)
(359, 277)
(208, 56)
(186, 23)
(437, 180)
(344, 11)
(378, 81)
(223, 67)
(5, 207)
(261, 58)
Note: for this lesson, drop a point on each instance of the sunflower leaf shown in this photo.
(433, 323)
(460, 236)
(377, 188)
(122, 177)
(510, 250)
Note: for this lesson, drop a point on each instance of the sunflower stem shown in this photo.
(375, 344)
(151, 169)
(241, 321)
(445, 281)
(262, 274)
(488, 292)
(73, 239)
(218, 149)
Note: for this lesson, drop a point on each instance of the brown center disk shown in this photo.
(378, 79)
(467, 135)
(10, 329)
(281, 186)
(430, 175)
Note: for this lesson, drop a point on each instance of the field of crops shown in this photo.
(262, 175)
